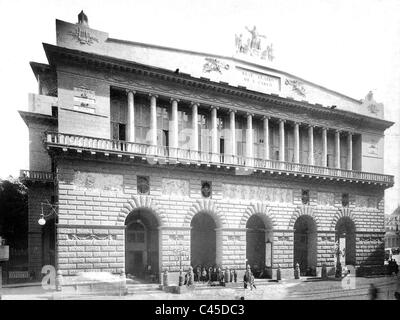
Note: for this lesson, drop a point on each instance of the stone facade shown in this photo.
(91, 223)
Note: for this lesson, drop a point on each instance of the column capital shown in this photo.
(249, 114)
(297, 123)
(310, 126)
(266, 117)
(338, 131)
(174, 99)
(232, 110)
(282, 120)
(192, 103)
(214, 107)
(129, 90)
(350, 133)
(324, 128)
(152, 95)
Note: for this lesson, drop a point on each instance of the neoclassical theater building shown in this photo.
(146, 158)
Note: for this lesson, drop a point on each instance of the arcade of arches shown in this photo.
(142, 254)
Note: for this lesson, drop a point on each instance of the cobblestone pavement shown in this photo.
(303, 289)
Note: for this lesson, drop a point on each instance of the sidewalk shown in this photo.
(302, 289)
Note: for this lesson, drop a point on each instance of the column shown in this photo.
(214, 134)
(296, 142)
(174, 127)
(324, 147)
(311, 145)
(350, 151)
(249, 138)
(266, 137)
(281, 140)
(232, 127)
(153, 120)
(337, 148)
(131, 116)
(195, 127)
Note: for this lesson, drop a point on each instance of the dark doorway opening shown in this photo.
(305, 245)
(203, 240)
(346, 238)
(141, 244)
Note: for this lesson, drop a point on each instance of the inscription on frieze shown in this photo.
(175, 187)
(97, 181)
(246, 192)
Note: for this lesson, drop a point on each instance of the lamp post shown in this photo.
(42, 221)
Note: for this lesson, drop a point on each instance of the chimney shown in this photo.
(83, 19)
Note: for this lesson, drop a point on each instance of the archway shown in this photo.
(259, 246)
(141, 244)
(346, 238)
(203, 240)
(305, 245)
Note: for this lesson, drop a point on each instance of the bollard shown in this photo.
(59, 281)
(165, 278)
(338, 272)
(122, 288)
(324, 273)
(278, 273)
(297, 271)
(180, 280)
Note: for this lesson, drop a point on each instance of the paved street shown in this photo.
(303, 289)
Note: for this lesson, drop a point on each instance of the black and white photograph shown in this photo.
(200, 150)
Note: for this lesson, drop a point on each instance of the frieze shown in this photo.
(326, 199)
(248, 192)
(97, 181)
(83, 36)
(297, 87)
(175, 187)
(234, 238)
(91, 237)
(214, 65)
(366, 202)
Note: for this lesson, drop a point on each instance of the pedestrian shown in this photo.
(235, 275)
(373, 292)
(204, 275)
(247, 278)
(252, 282)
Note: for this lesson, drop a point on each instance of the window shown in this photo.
(143, 185)
(305, 196)
(345, 199)
(206, 189)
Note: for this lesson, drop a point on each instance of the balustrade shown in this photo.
(188, 155)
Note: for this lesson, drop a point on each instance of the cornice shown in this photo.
(55, 54)
(30, 117)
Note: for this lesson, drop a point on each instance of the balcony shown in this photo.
(164, 155)
(36, 176)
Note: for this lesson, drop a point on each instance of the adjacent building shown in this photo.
(146, 158)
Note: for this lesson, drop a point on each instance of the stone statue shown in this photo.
(255, 38)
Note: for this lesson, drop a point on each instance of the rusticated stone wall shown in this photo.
(96, 197)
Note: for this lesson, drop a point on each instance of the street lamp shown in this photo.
(43, 217)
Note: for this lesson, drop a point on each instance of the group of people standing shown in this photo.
(215, 276)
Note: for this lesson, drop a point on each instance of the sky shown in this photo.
(350, 46)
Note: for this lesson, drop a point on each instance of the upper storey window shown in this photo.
(119, 109)
(142, 119)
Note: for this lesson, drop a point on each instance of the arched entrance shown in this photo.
(346, 238)
(259, 246)
(305, 245)
(203, 240)
(141, 244)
